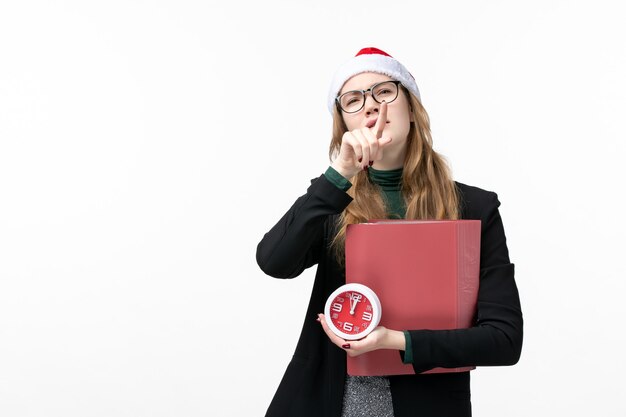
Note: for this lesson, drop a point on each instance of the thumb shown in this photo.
(384, 141)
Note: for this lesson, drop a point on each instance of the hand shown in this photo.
(373, 341)
(366, 144)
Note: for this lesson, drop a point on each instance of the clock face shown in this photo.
(352, 311)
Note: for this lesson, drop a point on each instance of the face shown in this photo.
(398, 115)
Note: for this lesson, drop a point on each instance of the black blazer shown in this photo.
(313, 383)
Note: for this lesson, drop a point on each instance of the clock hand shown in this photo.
(353, 305)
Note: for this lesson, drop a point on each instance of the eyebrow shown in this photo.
(354, 89)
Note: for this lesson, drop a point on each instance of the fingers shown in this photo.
(352, 144)
(371, 148)
(356, 142)
(369, 145)
(362, 145)
(332, 336)
(381, 121)
(338, 341)
(382, 144)
(384, 141)
(369, 343)
(353, 347)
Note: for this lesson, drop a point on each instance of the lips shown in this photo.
(372, 122)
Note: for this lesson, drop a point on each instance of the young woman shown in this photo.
(383, 165)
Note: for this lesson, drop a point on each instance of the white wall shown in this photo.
(146, 147)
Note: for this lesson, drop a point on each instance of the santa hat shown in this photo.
(371, 60)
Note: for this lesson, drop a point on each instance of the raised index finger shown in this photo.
(381, 121)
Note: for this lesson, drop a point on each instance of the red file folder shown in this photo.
(425, 274)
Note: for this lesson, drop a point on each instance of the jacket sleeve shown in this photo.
(496, 337)
(296, 241)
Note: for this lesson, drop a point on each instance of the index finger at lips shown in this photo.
(381, 121)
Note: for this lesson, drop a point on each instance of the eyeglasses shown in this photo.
(353, 101)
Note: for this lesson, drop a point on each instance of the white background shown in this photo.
(146, 147)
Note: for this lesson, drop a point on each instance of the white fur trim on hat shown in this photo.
(371, 62)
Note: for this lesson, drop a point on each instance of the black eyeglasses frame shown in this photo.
(370, 90)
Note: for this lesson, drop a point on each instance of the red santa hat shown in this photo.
(371, 60)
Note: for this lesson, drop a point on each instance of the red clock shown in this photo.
(353, 311)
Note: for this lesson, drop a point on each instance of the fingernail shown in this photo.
(346, 346)
(371, 163)
(360, 159)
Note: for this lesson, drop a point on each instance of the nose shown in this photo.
(370, 104)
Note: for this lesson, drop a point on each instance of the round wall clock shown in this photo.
(352, 311)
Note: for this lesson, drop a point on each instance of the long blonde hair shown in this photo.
(427, 186)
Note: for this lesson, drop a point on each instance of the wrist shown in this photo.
(394, 339)
(345, 172)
